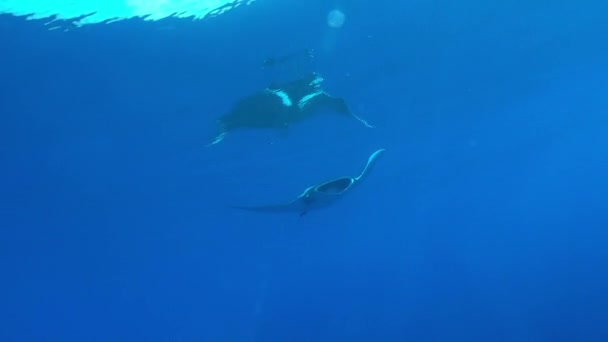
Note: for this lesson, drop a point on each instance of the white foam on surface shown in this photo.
(83, 12)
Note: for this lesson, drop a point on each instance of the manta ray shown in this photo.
(319, 195)
(280, 105)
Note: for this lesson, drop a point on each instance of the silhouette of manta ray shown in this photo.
(276, 61)
(320, 195)
(281, 105)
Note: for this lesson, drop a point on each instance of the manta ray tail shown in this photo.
(371, 162)
(276, 208)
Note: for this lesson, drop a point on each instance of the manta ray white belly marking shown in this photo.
(285, 99)
(306, 99)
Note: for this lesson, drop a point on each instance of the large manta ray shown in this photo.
(280, 105)
(319, 195)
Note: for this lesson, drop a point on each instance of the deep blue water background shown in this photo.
(485, 220)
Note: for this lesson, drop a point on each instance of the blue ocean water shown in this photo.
(485, 219)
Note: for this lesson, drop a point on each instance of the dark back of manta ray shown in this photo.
(300, 63)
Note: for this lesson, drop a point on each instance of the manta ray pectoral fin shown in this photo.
(336, 104)
(362, 121)
(218, 139)
(339, 105)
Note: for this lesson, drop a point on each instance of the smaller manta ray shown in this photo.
(280, 105)
(320, 195)
(276, 61)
